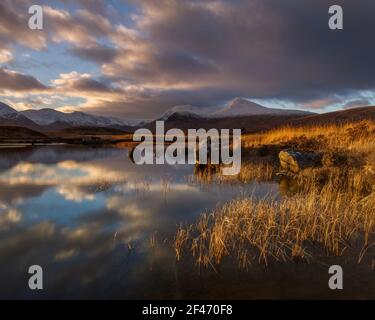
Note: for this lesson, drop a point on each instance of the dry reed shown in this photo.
(333, 211)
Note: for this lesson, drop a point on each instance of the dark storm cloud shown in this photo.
(14, 81)
(258, 49)
(208, 52)
(318, 62)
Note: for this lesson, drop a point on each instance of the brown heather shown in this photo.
(331, 214)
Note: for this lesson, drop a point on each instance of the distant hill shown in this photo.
(337, 117)
(256, 123)
(94, 131)
(248, 124)
(14, 132)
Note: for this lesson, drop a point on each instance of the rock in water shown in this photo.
(295, 161)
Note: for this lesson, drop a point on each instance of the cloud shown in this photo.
(63, 27)
(257, 49)
(75, 81)
(5, 56)
(320, 103)
(14, 25)
(357, 103)
(96, 53)
(204, 53)
(14, 81)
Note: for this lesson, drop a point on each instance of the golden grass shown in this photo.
(297, 226)
(356, 137)
(251, 171)
(332, 212)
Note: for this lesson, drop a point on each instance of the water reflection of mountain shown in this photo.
(10, 156)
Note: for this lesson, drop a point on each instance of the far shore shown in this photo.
(83, 140)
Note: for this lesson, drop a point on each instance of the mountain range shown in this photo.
(50, 119)
(238, 113)
(235, 108)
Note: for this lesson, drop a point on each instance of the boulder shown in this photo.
(295, 161)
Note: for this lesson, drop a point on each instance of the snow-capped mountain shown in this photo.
(187, 110)
(235, 108)
(6, 110)
(244, 107)
(10, 116)
(51, 117)
(45, 117)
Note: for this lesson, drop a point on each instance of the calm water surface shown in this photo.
(102, 227)
(94, 220)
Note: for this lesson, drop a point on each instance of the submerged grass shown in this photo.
(332, 213)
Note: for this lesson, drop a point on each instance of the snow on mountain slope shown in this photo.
(236, 108)
(242, 107)
(42, 117)
(6, 110)
(239, 107)
(11, 117)
(187, 110)
(49, 116)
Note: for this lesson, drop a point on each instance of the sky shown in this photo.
(138, 58)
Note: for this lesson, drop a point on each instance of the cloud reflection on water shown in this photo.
(82, 216)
